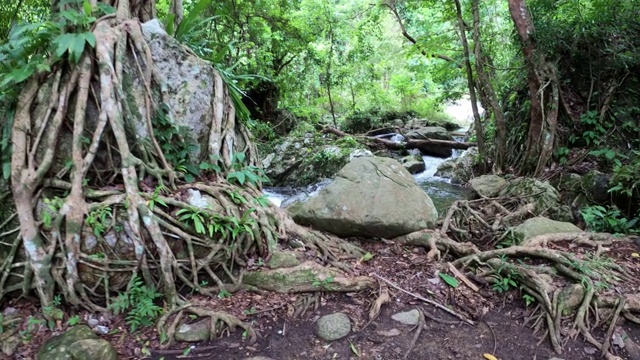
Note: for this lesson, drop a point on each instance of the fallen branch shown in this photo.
(438, 305)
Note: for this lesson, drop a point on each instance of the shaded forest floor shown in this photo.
(499, 319)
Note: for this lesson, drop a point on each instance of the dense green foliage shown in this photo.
(360, 64)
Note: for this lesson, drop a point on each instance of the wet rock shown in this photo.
(333, 327)
(488, 186)
(370, 197)
(282, 259)
(460, 169)
(194, 332)
(541, 226)
(542, 194)
(411, 317)
(78, 343)
(413, 163)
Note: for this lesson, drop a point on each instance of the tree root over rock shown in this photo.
(120, 208)
(569, 274)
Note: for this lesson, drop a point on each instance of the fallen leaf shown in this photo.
(489, 357)
(635, 255)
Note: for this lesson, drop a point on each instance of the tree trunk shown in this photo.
(543, 91)
(484, 83)
(472, 88)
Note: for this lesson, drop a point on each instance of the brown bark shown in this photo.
(484, 84)
(470, 81)
(543, 91)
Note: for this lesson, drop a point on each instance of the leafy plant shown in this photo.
(52, 207)
(607, 219)
(240, 173)
(139, 304)
(100, 220)
(52, 312)
(326, 283)
(505, 278)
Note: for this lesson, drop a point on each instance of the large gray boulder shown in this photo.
(370, 197)
(78, 343)
(432, 132)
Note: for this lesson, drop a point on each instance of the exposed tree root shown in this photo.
(543, 269)
(121, 208)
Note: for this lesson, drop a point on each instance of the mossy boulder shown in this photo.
(543, 195)
(541, 226)
(301, 161)
(460, 169)
(370, 197)
(78, 343)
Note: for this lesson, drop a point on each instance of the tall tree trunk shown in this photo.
(543, 91)
(328, 75)
(471, 84)
(486, 88)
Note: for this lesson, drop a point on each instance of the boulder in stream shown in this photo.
(413, 163)
(459, 169)
(370, 197)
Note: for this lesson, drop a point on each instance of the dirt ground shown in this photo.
(499, 322)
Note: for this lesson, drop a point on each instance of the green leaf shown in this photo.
(77, 47)
(90, 38)
(86, 6)
(450, 280)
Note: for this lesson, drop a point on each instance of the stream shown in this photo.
(440, 190)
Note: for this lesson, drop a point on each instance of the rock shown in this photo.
(541, 226)
(370, 197)
(413, 163)
(282, 259)
(194, 332)
(10, 345)
(432, 132)
(78, 343)
(333, 327)
(460, 169)
(259, 358)
(488, 186)
(595, 186)
(411, 317)
(303, 161)
(570, 298)
(544, 196)
(93, 322)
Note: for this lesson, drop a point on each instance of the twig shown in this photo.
(421, 325)
(462, 278)
(437, 319)
(439, 306)
(495, 340)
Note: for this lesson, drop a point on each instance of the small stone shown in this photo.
(195, 332)
(411, 317)
(101, 329)
(9, 311)
(92, 322)
(333, 327)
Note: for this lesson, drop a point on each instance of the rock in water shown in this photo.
(333, 327)
(370, 197)
(78, 343)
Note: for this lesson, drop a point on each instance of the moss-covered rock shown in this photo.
(78, 343)
(544, 196)
(301, 161)
(541, 226)
(460, 169)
